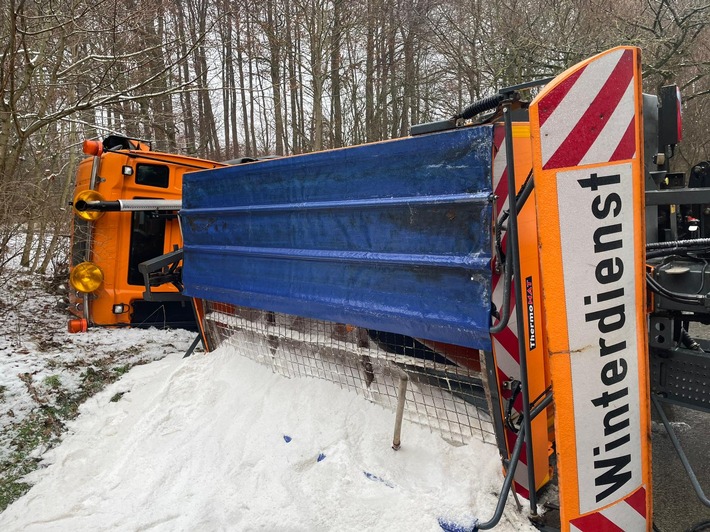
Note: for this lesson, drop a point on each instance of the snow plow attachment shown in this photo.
(493, 267)
(393, 236)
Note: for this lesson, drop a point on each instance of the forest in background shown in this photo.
(229, 78)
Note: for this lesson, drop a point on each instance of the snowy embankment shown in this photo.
(218, 442)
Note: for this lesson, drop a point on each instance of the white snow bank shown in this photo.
(218, 442)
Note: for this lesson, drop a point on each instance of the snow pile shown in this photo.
(218, 442)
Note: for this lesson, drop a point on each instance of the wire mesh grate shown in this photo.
(442, 395)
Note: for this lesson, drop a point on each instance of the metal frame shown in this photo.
(512, 464)
(679, 367)
(159, 271)
(529, 413)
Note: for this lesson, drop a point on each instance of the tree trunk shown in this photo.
(335, 75)
(243, 93)
(315, 31)
(292, 81)
(185, 96)
(370, 130)
(275, 72)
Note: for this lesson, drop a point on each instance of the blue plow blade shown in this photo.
(393, 236)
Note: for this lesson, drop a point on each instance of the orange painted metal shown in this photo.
(587, 133)
(109, 243)
(505, 344)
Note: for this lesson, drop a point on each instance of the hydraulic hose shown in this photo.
(688, 341)
(479, 106)
(696, 242)
(691, 299)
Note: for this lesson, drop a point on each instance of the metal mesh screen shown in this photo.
(440, 394)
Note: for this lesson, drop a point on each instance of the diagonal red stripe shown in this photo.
(509, 342)
(553, 99)
(637, 500)
(595, 522)
(498, 136)
(496, 279)
(586, 131)
(627, 146)
(510, 438)
(521, 490)
(501, 191)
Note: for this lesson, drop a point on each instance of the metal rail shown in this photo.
(515, 457)
(681, 454)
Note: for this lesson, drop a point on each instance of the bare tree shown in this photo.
(66, 60)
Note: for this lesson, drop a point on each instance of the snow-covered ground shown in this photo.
(214, 442)
(42, 365)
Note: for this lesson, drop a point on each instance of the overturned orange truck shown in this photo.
(528, 268)
(106, 287)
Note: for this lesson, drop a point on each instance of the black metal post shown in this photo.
(513, 236)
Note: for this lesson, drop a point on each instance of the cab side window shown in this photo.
(152, 175)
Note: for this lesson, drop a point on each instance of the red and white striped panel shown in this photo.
(627, 515)
(505, 343)
(590, 117)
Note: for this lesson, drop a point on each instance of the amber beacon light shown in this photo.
(86, 277)
(82, 203)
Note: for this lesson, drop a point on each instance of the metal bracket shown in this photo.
(681, 376)
(163, 270)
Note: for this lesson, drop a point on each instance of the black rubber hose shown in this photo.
(688, 341)
(696, 242)
(698, 527)
(479, 106)
(657, 253)
(691, 299)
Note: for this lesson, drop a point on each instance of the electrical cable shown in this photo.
(691, 299)
(698, 527)
(684, 250)
(688, 341)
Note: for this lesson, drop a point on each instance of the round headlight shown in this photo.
(83, 197)
(86, 277)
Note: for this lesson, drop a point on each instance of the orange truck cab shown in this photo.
(106, 286)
